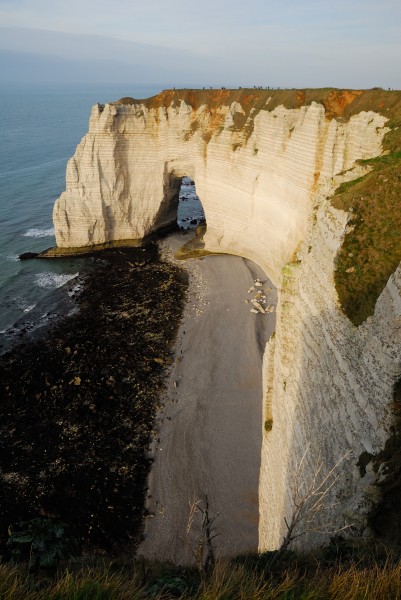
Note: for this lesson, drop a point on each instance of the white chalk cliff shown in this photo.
(263, 175)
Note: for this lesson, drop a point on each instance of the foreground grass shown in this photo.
(239, 580)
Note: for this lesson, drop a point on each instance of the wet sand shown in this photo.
(210, 430)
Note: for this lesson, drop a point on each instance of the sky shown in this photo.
(291, 43)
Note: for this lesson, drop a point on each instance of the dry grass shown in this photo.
(236, 580)
(374, 583)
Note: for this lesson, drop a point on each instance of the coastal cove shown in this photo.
(239, 421)
(273, 169)
(92, 403)
(49, 326)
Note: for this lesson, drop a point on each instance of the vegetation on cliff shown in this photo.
(337, 103)
(371, 250)
(385, 520)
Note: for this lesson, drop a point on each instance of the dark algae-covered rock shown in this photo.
(78, 405)
(28, 255)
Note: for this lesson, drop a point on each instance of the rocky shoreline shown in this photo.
(79, 404)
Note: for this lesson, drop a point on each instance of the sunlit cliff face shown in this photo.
(256, 170)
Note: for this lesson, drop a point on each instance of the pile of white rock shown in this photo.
(260, 299)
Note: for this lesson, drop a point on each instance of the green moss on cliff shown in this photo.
(371, 251)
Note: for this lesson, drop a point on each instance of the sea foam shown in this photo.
(11, 257)
(23, 305)
(52, 281)
(39, 233)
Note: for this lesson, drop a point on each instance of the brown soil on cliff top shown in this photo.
(337, 102)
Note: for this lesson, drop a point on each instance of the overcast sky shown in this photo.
(292, 43)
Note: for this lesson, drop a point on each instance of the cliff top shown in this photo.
(337, 102)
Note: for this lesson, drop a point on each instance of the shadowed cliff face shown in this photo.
(329, 394)
(266, 165)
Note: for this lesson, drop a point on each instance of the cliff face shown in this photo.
(329, 390)
(256, 174)
(264, 173)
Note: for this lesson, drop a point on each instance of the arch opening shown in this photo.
(190, 211)
(186, 212)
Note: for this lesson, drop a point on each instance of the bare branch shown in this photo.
(309, 499)
(202, 548)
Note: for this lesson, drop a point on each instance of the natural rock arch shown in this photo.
(256, 182)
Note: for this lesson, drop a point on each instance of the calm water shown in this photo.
(40, 126)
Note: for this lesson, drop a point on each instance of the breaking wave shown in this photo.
(39, 233)
(24, 306)
(51, 281)
(11, 257)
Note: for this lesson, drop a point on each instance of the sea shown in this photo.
(40, 127)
